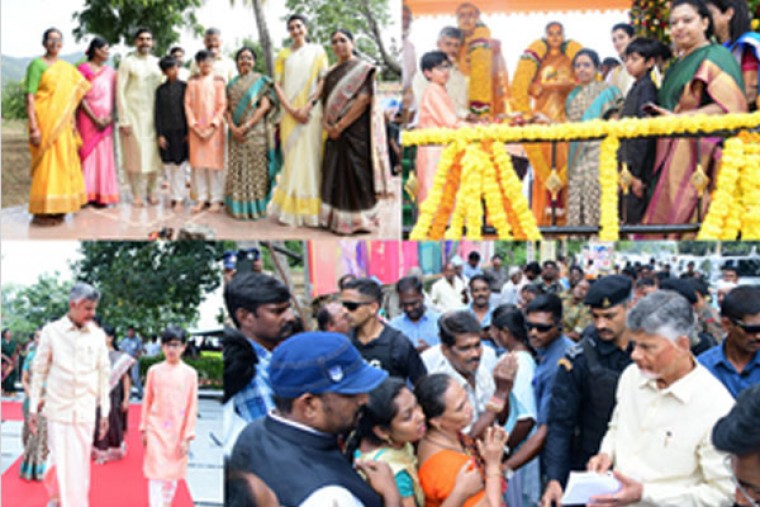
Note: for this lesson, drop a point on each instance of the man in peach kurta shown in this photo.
(436, 110)
(169, 413)
(72, 363)
(205, 103)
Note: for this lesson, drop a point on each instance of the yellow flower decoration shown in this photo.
(609, 222)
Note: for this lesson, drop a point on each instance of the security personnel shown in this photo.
(584, 390)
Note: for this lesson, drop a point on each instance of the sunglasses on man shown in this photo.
(541, 328)
(748, 328)
(351, 306)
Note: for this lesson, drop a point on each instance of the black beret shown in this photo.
(738, 432)
(609, 291)
(682, 286)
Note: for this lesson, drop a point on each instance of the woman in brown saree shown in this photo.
(348, 188)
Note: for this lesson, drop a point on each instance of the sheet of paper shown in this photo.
(581, 486)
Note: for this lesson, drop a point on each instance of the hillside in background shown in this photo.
(14, 68)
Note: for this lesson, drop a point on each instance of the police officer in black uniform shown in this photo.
(584, 390)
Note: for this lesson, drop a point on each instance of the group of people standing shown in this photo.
(306, 146)
(711, 69)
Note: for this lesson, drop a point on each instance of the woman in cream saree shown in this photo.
(54, 90)
(298, 76)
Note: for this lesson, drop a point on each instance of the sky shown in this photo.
(516, 32)
(24, 261)
(236, 23)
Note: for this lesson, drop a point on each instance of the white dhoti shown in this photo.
(208, 185)
(70, 447)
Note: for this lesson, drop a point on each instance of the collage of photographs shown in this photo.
(401, 253)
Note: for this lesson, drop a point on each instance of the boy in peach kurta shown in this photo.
(205, 104)
(167, 426)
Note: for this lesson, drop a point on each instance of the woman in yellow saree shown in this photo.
(54, 90)
(298, 76)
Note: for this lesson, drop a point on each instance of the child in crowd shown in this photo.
(205, 104)
(639, 153)
(179, 54)
(169, 411)
(436, 110)
(171, 129)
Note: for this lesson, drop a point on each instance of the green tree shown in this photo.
(14, 101)
(265, 41)
(364, 18)
(117, 20)
(150, 285)
(27, 308)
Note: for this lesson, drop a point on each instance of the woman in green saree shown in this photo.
(252, 164)
(704, 79)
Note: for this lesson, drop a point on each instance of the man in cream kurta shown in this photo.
(138, 77)
(659, 436)
(224, 67)
(72, 363)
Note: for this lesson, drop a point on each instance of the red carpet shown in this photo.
(11, 411)
(115, 484)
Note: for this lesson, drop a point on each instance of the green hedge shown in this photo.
(209, 367)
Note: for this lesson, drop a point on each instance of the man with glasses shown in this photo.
(543, 318)
(417, 322)
(658, 440)
(584, 390)
(736, 361)
(738, 433)
(381, 345)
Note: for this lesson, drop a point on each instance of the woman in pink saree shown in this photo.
(95, 125)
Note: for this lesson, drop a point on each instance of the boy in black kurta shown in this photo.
(171, 129)
(639, 153)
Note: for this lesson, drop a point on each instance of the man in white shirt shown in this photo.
(659, 437)
(72, 363)
(510, 291)
(448, 293)
(224, 67)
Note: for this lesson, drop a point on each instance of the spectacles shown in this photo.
(748, 328)
(174, 345)
(541, 328)
(351, 306)
(744, 491)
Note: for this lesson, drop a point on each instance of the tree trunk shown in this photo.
(264, 39)
(391, 64)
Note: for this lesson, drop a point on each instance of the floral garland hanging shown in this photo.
(609, 221)
(750, 187)
(716, 223)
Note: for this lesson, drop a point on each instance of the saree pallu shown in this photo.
(97, 151)
(251, 165)
(709, 75)
(57, 181)
(295, 199)
(348, 184)
(33, 461)
(585, 103)
(111, 446)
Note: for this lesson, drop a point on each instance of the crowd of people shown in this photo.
(490, 385)
(307, 146)
(711, 68)
(77, 395)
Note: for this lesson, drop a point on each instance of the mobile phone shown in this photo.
(650, 109)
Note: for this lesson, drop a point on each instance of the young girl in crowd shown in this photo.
(169, 411)
(205, 105)
(389, 424)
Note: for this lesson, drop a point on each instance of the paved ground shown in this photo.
(204, 474)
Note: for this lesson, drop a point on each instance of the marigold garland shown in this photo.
(750, 187)
(481, 61)
(436, 198)
(609, 222)
(512, 190)
(720, 220)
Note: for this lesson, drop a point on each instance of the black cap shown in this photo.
(609, 291)
(682, 286)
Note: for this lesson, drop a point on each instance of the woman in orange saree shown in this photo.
(54, 90)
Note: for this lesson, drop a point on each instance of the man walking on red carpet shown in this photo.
(72, 363)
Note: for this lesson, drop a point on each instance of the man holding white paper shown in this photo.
(659, 437)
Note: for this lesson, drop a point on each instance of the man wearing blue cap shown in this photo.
(583, 396)
(319, 381)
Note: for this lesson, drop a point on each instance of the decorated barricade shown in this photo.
(475, 168)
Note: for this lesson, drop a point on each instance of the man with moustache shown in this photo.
(380, 344)
(417, 322)
(658, 439)
(224, 67)
(584, 389)
(448, 293)
(259, 306)
(138, 77)
(319, 382)
(333, 318)
(736, 361)
(480, 290)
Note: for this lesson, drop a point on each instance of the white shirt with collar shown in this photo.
(436, 362)
(662, 439)
(72, 363)
(447, 297)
